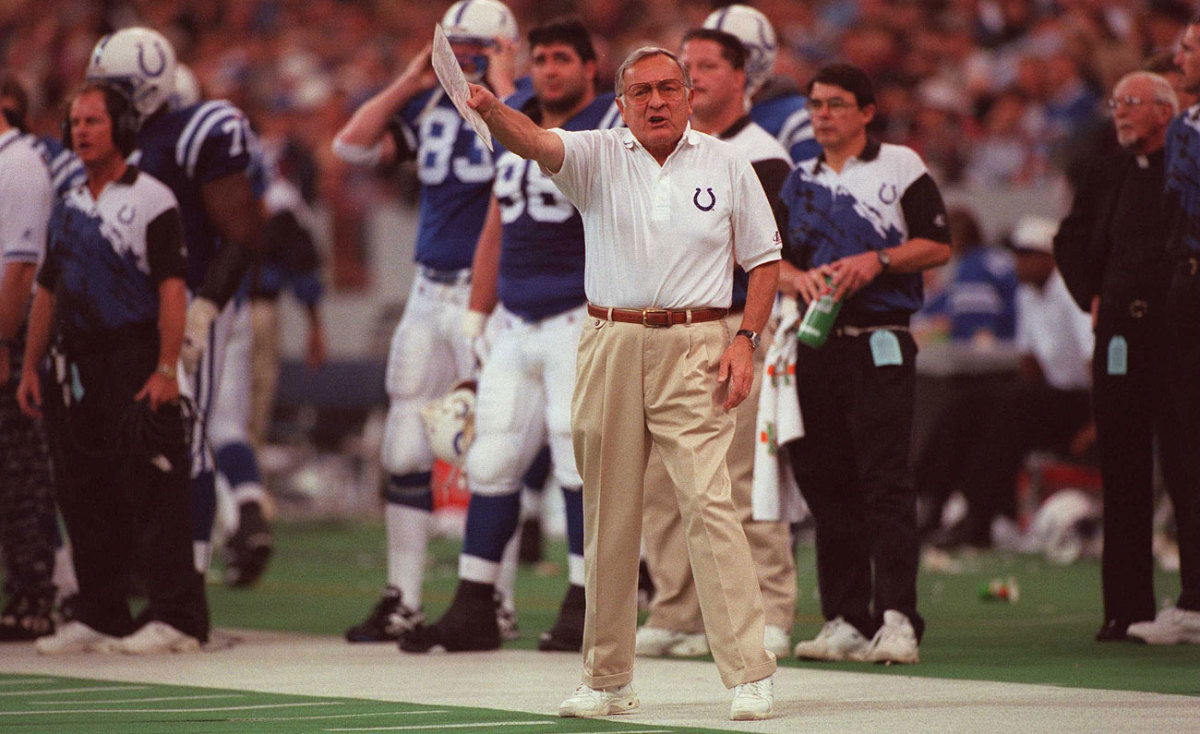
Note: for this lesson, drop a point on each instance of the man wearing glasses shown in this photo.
(867, 218)
(667, 211)
(1112, 252)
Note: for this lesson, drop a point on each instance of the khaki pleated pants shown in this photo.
(676, 606)
(637, 386)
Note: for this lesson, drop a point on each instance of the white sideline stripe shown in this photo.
(138, 700)
(449, 726)
(73, 690)
(172, 711)
(623, 731)
(26, 681)
(347, 716)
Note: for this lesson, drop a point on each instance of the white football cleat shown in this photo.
(74, 637)
(1170, 627)
(155, 638)
(753, 701)
(656, 642)
(838, 640)
(895, 641)
(588, 702)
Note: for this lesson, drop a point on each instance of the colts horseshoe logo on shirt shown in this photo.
(712, 200)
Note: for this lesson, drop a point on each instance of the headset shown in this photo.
(125, 120)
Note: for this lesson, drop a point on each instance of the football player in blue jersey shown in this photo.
(776, 102)
(530, 262)
(413, 118)
(208, 156)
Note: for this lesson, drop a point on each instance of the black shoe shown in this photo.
(567, 633)
(27, 617)
(469, 625)
(1114, 630)
(388, 621)
(530, 551)
(249, 548)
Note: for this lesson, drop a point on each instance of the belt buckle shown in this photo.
(665, 314)
(1138, 308)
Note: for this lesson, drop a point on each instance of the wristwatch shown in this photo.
(885, 260)
(166, 370)
(751, 335)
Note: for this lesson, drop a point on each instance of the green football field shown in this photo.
(325, 577)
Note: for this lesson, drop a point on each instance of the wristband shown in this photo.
(166, 370)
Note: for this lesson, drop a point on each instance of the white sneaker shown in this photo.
(753, 701)
(73, 637)
(587, 702)
(895, 641)
(155, 638)
(656, 642)
(777, 640)
(1171, 627)
(838, 640)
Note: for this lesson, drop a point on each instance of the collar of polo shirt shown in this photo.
(690, 136)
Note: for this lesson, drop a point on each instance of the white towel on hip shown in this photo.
(775, 495)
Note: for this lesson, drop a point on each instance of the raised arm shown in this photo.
(517, 132)
(362, 140)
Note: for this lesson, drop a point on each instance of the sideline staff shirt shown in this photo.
(882, 198)
(665, 237)
(25, 200)
(110, 254)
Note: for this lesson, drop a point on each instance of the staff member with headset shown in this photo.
(113, 285)
(868, 216)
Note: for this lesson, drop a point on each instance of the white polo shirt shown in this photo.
(25, 199)
(665, 236)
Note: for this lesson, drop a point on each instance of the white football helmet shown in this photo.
(753, 29)
(450, 423)
(139, 60)
(187, 88)
(1068, 527)
(479, 21)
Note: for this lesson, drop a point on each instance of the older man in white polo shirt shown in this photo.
(667, 211)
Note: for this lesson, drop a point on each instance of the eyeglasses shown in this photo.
(835, 105)
(1116, 103)
(671, 90)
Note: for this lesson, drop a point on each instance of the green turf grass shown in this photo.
(53, 705)
(326, 576)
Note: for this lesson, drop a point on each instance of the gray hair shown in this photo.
(1164, 93)
(646, 52)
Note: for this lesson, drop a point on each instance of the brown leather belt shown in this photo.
(657, 317)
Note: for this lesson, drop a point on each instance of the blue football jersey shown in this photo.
(66, 171)
(1183, 177)
(786, 117)
(188, 148)
(455, 169)
(541, 251)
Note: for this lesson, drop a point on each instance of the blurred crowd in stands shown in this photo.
(992, 93)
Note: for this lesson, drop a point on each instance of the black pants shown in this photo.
(125, 507)
(1024, 417)
(28, 530)
(1183, 330)
(853, 470)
